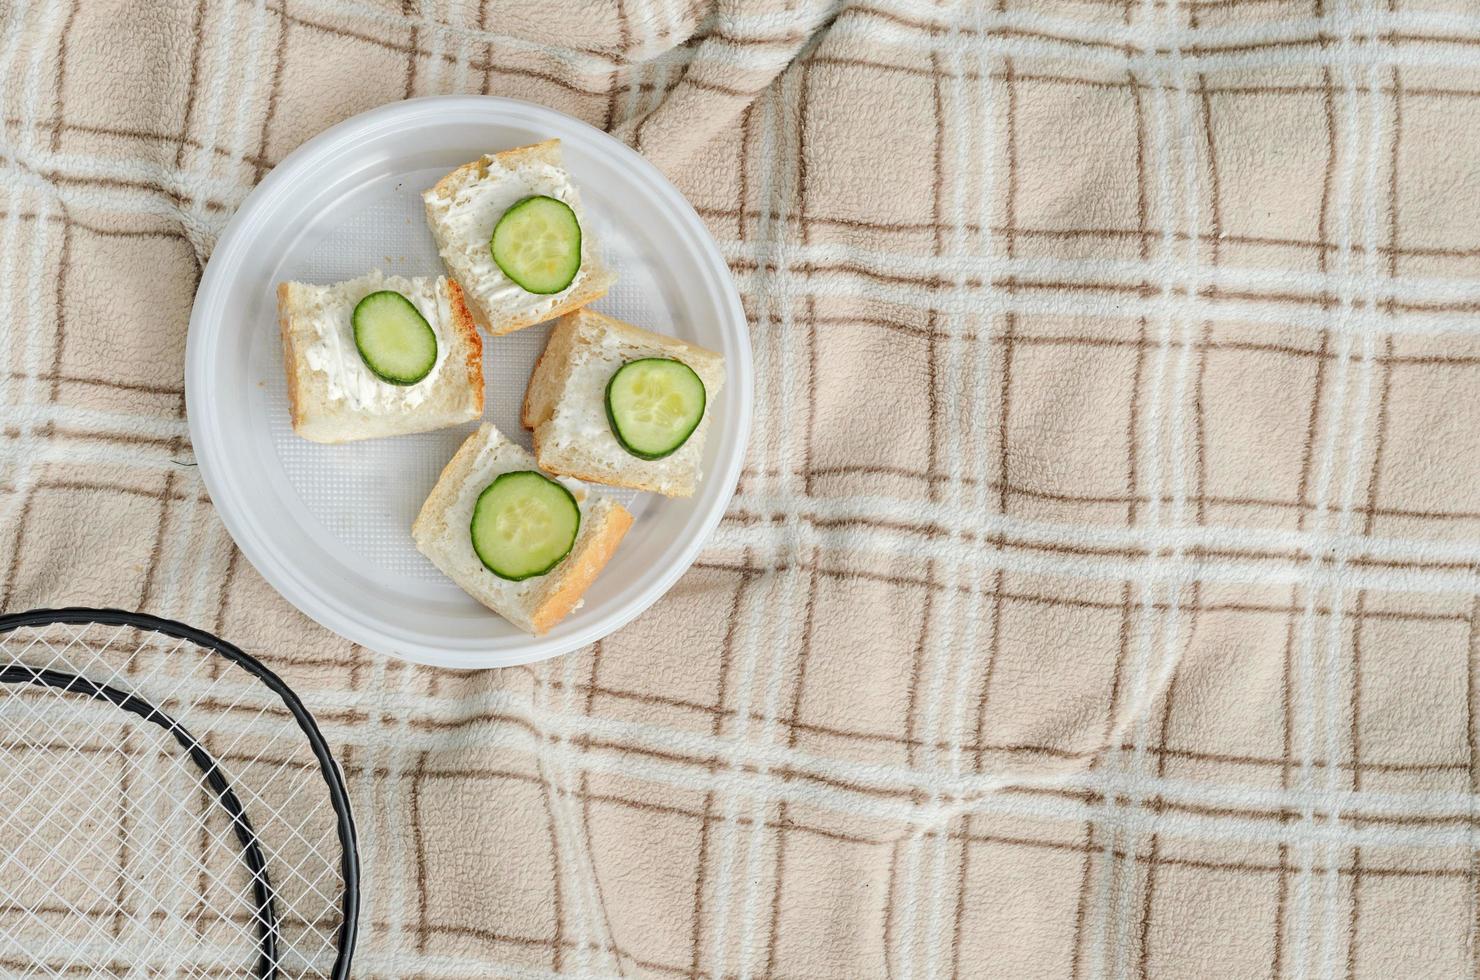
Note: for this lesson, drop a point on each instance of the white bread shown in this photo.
(442, 533)
(334, 397)
(565, 404)
(462, 210)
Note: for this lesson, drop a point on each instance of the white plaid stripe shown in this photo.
(1337, 414)
(731, 850)
(780, 192)
(12, 287)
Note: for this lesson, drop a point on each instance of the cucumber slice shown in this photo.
(524, 524)
(537, 243)
(654, 404)
(395, 341)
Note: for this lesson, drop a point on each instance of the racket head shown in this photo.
(166, 802)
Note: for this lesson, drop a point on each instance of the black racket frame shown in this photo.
(263, 910)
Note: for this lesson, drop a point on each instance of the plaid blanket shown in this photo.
(1100, 595)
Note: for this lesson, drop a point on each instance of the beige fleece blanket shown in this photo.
(1100, 595)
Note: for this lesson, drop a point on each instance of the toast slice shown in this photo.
(441, 532)
(462, 209)
(334, 397)
(565, 404)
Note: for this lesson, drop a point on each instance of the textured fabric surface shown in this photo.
(1100, 594)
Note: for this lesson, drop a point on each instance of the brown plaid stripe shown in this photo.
(1100, 593)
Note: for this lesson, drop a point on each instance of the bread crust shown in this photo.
(599, 279)
(542, 364)
(290, 353)
(583, 567)
(551, 364)
(464, 325)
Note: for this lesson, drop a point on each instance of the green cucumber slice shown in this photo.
(537, 243)
(395, 341)
(524, 524)
(654, 404)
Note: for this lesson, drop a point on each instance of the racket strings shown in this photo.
(139, 830)
(144, 901)
(115, 852)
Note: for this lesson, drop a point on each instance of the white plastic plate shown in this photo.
(329, 526)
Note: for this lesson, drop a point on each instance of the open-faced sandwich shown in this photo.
(379, 356)
(511, 230)
(612, 403)
(524, 544)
